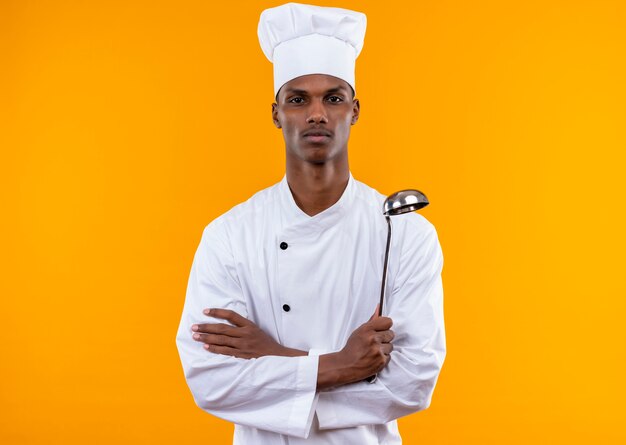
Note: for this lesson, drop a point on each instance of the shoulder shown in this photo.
(242, 215)
(368, 196)
(413, 223)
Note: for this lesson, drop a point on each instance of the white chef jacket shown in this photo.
(309, 282)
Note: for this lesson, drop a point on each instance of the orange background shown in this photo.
(127, 126)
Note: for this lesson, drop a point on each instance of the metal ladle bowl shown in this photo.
(404, 201)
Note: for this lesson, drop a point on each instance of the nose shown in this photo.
(317, 113)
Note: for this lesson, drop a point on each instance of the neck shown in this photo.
(316, 187)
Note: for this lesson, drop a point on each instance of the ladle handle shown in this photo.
(372, 378)
(384, 282)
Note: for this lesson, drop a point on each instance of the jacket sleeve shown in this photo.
(415, 305)
(272, 393)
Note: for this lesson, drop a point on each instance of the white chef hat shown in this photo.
(305, 39)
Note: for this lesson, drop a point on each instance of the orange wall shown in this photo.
(126, 126)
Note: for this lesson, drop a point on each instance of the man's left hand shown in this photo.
(244, 340)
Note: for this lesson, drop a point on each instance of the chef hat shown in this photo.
(305, 39)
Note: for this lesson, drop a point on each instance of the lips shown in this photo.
(317, 133)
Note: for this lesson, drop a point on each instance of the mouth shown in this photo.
(317, 136)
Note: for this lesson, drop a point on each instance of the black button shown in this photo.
(284, 245)
(286, 308)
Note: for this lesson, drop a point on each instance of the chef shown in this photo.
(279, 332)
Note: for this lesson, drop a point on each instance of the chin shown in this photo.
(317, 161)
(317, 153)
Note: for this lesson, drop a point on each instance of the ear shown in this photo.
(275, 115)
(356, 110)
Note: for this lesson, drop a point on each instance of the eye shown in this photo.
(335, 99)
(296, 100)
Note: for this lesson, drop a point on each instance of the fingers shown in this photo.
(224, 350)
(385, 336)
(216, 328)
(381, 323)
(217, 340)
(228, 315)
(386, 348)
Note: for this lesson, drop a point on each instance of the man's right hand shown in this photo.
(366, 352)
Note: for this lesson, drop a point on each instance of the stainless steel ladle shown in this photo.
(398, 203)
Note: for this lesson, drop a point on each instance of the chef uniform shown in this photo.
(309, 282)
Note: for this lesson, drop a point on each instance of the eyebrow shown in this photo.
(336, 89)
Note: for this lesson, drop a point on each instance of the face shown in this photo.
(315, 113)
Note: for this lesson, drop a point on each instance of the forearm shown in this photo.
(329, 372)
(332, 370)
(246, 340)
(365, 353)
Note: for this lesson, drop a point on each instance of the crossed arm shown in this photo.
(366, 352)
(282, 389)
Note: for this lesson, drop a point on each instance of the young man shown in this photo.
(279, 332)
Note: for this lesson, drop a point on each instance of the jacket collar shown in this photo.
(293, 217)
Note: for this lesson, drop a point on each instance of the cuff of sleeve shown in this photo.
(325, 409)
(301, 417)
(318, 352)
(343, 407)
